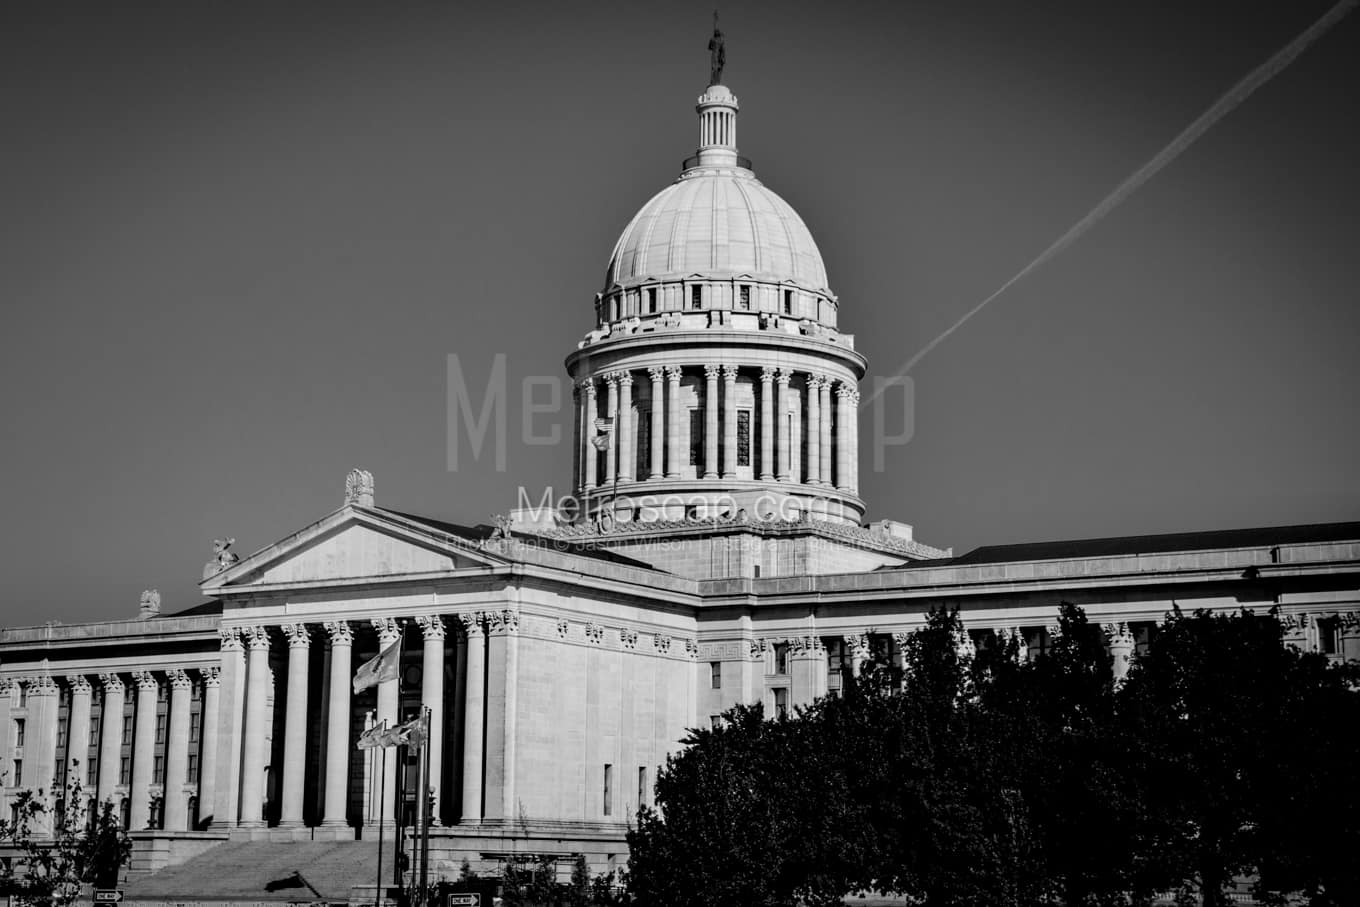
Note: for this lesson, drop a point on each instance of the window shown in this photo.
(1036, 641)
(94, 731)
(158, 770)
(743, 437)
(160, 728)
(715, 721)
(643, 454)
(608, 789)
(744, 297)
(127, 730)
(195, 720)
(788, 302)
(1329, 635)
(883, 649)
(18, 772)
(191, 771)
(1143, 634)
(91, 772)
(642, 786)
(614, 309)
(23, 695)
(781, 658)
(715, 675)
(696, 436)
(781, 702)
(125, 770)
(696, 297)
(61, 732)
(18, 733)
(651, 301)
(837, 661)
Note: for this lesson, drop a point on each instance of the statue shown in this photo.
(717, 54)
(150, 605)
(223, 558)
(502, 530)
(359, 488)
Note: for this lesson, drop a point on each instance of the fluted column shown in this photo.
(502, 655)
(814, 429)
(795, 435)
(729, 410)
(207, 762)
(336, 796)
(110, 734)
(389, 631)
(1119, 641)
(143, 750)
(858, 647)
(676, 436)
(592, 453)
(40, 747)
(474, 717)
(612, 410)
(782, 423)
(78, 730)
(824, 434)
(852, 432)
(226, 808)
(577, 455)
(624, 426)
(295, 725)
(658, 465)
(767, 428)
(432, 695)
(176, 802)
(845, 432)
(710, 422)
(254, 732)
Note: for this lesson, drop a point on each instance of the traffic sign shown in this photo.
(108, 896)
(471, 899)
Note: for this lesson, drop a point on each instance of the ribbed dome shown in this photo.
(717, 223)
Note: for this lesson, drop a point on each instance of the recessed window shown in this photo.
(1329, 635)
(696, 297)
(125, 770)
(788, 302)
(696, 436)
(715, 675)
(158, 770)
(781, 702)
(743, 437)
(642, 785)
(94, 731)
(18, 732)
(651, 301)
(715, 721)
(744, 297)
(127, 729)
(191, 770)
(61, 732)
(195, 721)
(781, 658)
(18, 772)
(160, 728)
(608, 789)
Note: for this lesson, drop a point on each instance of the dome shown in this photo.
(717, 222)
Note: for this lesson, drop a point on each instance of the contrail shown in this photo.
(1221, 108)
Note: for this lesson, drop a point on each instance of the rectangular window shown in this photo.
(1329, 635)
(1143, 633)
(1036, 641)
(745, 297)
(781, 658)
(94, 730)
(608, 789)
(18, 733)
(158, 770)
(191, 770)
(715, 721)
(18, 772)
(23, 695)
(125, 770)
(883, 649)
(61, 732)
(788, 302)
(651, 301)
(642, 785)
(91, 772)
(743, 437)
(696, 436)
(195, 720)
(127, 730)
(781, 702)
(715, 675)
(696, 297)
(643, 455)
(160, 728)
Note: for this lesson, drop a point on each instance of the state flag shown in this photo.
(372, 737)
(412, 733)
(379, 668)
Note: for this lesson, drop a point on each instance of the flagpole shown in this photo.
(425, 820)
(398, 789)
(382, 795)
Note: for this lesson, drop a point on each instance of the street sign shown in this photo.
(472, 899)
(108, 896)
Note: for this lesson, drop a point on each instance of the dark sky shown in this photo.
(238, 241)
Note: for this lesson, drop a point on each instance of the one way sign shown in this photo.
(108, 896)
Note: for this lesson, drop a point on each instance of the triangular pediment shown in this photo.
(350, 545)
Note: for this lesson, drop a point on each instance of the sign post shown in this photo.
(108, 895)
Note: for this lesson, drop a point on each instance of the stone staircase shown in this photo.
(250, 871)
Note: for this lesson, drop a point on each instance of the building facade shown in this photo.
(717, 554)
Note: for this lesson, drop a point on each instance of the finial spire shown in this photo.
(717, 54)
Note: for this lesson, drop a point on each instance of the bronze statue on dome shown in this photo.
(717, 53)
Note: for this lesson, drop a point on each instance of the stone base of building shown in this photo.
(488, 846)
(283, 834)
(154, 850)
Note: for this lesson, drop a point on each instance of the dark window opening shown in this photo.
(696, 437)
(781, 658)
(743, 437)
(788, 302)
(608, 792)
(696, 297)
(651, 300)
(744, 295)
(781, 702)
(715, 675)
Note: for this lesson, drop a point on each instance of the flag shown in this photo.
(601, 442)
(372, 737)
(412, 733)
(379, 668)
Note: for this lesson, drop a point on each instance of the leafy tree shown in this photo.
(60, 853)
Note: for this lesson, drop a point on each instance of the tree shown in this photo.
(61, 852)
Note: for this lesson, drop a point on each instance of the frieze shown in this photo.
(661, 643)
(595, 633)
(628, 638)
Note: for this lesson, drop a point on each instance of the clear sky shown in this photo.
(238, 242)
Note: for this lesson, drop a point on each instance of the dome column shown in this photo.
(814, 429)
(729, 393)
(710, 422)
(592, 453)
(673, 435)
(658, 439)
(767, 424)
(624, 426)
(824, 437)
(577, 433)
(846, 430)
(611, 452)
(782, 414)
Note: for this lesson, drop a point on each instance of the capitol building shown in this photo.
(717, 554)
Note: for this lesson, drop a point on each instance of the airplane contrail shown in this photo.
(1220, 108)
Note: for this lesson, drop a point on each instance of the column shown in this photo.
(110, 735)
(143, 750)
(782, 377)
(767, 424)
(176, 809)
(624, 426)
(432, 695)
(253, 735)
(729, 410)
(336, 796)
(78, 733)
(852, 432)
(676, 434)
(710, 422)
(474, 719)
(207, 761)
(40, 745)
(824, 438)
(502, 656)
(658, 377)
(226, 809)
(389, 631)
(592, 453)
(858, 647)
(295, 726)
(795, 417)
(814, 429)
(612, 411)
(845, 423)
(1119, 641)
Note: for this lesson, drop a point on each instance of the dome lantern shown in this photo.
(717, 111)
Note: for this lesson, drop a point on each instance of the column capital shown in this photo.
(146, 681)
(388, 629)
(767, 374)
(783, 376)
(79, 683)
(817, 382)
(1117, 635)
(673, 373)
(656, 373)
(43, 685)
(502, 622)
(857, 644)
(625, 378)
(212, 676)
(257, 638)
(231, 639)
(729, 372)
(113, 684)
(299, 637)
(179, 679)
(472, 622)
(711, 372)
(340, 632)
(431, 625)
(587, 387)
(847, 391)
